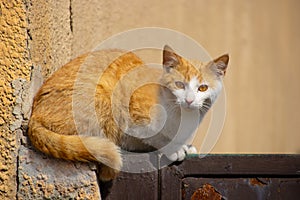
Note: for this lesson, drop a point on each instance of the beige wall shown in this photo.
(262, 38)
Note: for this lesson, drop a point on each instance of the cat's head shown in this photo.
(193, 84)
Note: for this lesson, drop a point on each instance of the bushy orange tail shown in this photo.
(74, 147)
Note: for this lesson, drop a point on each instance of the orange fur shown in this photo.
(80, 113)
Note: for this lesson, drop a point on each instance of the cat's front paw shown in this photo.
(182, 152)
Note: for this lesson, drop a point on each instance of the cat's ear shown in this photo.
(170, 59)
(219, 65)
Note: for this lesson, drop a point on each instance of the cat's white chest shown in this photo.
(182, 125)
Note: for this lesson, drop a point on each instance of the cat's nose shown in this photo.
(189, 101)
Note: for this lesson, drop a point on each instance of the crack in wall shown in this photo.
(71, 16)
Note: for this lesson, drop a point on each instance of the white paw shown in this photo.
(191, 150)
(181, 153)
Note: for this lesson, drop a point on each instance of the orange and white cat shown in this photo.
(89, 109)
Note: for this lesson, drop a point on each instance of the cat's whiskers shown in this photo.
(205, 107)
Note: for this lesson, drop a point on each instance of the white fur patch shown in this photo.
(191, 94)
(193, 105)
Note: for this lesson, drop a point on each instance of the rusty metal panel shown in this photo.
(213, 177)
(234, 177)
(241, 188)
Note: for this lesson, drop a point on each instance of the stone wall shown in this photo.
(36, 39)
(15, 71)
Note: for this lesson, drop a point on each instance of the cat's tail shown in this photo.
(76, 148)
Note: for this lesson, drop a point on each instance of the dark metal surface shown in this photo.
(245, 188)
(214, 177)
(131, 186)
(267, 164)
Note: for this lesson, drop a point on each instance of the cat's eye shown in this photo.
(179, 84)
(203, 88)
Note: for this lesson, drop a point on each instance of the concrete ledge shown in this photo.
(41, 177)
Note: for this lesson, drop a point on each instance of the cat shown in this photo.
(91, 108)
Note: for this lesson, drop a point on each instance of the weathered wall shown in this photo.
(15, 64)
(49, 43)
(35, 41)
(50, 34)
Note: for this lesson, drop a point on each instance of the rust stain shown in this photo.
(257, 182)
(206, 192)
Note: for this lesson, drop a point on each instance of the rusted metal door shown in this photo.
(214, 177)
